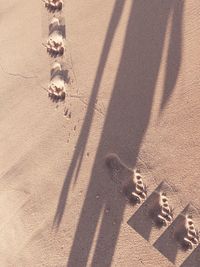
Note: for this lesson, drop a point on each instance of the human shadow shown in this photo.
(171, 241)
(125, 125)
(174, 53)
(75, 164)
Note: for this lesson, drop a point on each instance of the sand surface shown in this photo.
(133, 90)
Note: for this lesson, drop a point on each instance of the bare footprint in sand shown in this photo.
(55, 44)
(53, 5)
(129, 179)
(162, 212)
(57, 85)
(57, 89)
(186, 234)
(54, 23)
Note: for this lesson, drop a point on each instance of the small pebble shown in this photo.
(97, 196)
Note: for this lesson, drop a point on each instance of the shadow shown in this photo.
(174, 53)
(125, 125)
(52, 9)
(171, 240)
(56, 54)
(166, 244)
(60, 72)
(193, 260)
(143, 219)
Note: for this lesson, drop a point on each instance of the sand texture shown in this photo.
(130, 72)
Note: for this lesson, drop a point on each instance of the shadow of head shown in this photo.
(57, 99)
(124, 176)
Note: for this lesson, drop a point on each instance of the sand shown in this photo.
(132, 90)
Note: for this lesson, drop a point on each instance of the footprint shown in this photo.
(161, 213)
(55, 44)
(57, 88)
(130, 180)
(186, 234)
(53, 5)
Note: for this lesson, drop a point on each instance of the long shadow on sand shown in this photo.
(125, 125)
(193, 260)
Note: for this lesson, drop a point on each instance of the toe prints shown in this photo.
(53, 5)
(165, 232)
(136, 190)
(192, 236)
(56, 89)
(58, 85)
(165, 214)
(187, 235)
(55, 46)
(130, 180)
(113, 163)
(55, 43)
(162, 213)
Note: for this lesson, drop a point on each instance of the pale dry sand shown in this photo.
(134, 68)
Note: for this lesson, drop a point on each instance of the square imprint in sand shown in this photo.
(167, 243)
(193, 260)
(142, 221)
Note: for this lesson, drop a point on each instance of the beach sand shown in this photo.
(133, 90)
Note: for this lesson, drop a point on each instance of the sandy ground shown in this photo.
(134, 81)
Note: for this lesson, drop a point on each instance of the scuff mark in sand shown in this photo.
(17, 74)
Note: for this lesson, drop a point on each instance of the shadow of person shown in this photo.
(75, 164)
(125, 125)
(174, 53)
